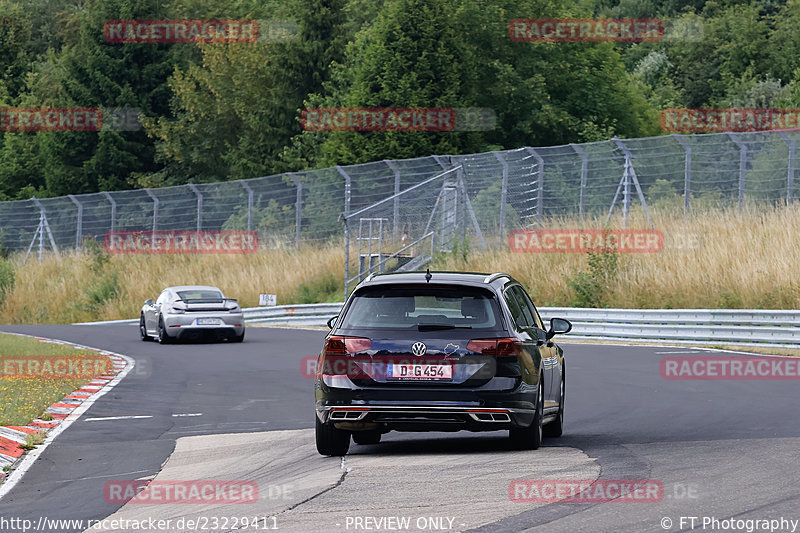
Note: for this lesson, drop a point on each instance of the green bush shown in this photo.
(592, 286)
(98, 256)
(103, 289)
(326, 288)
(104, 285)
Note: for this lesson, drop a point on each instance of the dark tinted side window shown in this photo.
(529, 308)
(527, 312)
(516, 309)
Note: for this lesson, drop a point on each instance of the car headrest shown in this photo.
(474, 307)
(401, 306)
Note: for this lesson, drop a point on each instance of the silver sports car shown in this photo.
(191, 311)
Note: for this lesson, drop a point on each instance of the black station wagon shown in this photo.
(439, 351)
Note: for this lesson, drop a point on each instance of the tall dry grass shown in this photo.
(717, 259)
(55, 291)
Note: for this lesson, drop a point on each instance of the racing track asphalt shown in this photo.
(732, 444)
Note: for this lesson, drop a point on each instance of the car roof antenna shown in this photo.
(428, 275)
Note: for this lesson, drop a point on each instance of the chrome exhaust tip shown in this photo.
(490, 416)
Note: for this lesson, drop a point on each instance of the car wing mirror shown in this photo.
(331, 320)
(541, 337)
(148, 302)
(558, 326)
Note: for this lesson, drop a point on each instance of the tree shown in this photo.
(90, 72)
(236, 110)
(456, 53)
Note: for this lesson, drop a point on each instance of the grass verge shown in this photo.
(22, 400)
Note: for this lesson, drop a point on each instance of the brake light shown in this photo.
(334, 360)
(502, 347)
(338, 345)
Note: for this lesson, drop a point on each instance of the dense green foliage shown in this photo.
(229, 111)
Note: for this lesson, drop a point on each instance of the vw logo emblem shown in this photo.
(418, 348)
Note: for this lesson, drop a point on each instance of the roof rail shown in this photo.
(491, 277)
(371, 274)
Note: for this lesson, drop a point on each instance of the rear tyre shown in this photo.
(143, 329)
(238, 338)
(163, 338)
(556, 427)
(331, 441)
(367, 437)
(530, 438)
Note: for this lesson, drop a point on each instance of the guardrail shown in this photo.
(732, 327)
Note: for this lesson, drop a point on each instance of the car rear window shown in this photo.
(200, 295)
(412, 306)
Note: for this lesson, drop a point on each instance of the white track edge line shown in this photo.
(29, 458)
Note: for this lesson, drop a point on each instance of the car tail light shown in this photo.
(338, 345)
(502, 347)
(335, 360)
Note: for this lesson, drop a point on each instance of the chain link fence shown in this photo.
(482, 195)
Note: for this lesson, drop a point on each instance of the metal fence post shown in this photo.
(298, 209)
(346, 256)
(584, 175)
(347, 191)
(113, 208)
(346, 229)
(396, 206)
(687, 173)
(790, 177)
(742, 169)
(44, 226)
(249, 205)
(199, 195)
(503, 194)
(629, 176)
(539, 184)
(155, 208)
(79, 225)
(461, 193)
(626, 191)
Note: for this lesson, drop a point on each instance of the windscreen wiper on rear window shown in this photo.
(431, 327)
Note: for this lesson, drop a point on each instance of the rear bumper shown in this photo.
(502, 403)
(424, 417)
(185, 325)
(193, 332)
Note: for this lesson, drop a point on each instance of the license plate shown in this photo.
(207, 321)
(419, 372)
